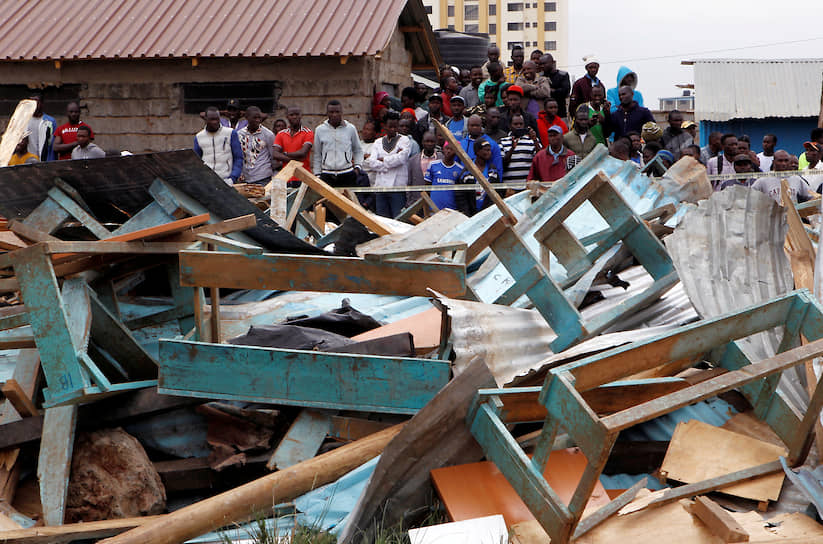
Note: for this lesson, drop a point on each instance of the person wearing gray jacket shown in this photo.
(336, 152)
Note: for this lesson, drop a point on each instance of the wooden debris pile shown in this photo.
(179, 357)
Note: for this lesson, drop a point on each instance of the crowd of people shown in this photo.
(44, 140)
(520, 122)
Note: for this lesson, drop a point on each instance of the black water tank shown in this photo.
(460, 49)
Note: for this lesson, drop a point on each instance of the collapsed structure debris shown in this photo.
(202, 364)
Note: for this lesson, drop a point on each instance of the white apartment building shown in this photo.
(534, 25)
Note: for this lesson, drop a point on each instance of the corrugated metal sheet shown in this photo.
(642, 193)
(728, 252)
(113, 29)
(515, 343)
(740, 88)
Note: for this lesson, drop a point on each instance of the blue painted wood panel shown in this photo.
(300, 378)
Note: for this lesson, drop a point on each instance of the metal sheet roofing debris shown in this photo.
(514, 342)
(743, 88)
(103, 29)
(736, 239)
(642, 193)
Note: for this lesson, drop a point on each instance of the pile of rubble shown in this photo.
(612, 358)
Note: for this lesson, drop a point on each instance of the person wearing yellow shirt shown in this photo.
(21, 153)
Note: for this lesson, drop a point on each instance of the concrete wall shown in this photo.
(138, 104)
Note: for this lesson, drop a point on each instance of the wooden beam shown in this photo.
(9, 241)
(228, 243)
(319, 273)
(18, 398)
(244, 502)
(54, 462)
(108, 246)
(223, 227)
(17, 342)
(302, 441)
(30, 233)
(77, 211)
(18, 124)
(88, 530)
(498, 201)
(295, 207)
(335, 197)
(718, 520)
(381, 256)
(399, 385)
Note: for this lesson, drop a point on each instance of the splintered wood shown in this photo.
(699, 451)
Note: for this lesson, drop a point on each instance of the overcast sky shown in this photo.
(629, 32)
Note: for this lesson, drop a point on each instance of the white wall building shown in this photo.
(534, 25)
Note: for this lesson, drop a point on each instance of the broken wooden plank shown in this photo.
(293, 377)
(319, 273)
(223, 227)
(415, 252)
(228, 243)
(435, 437)
(699, 451)
(718, 520)
(10, 241)
(18, 124)
(89, 530)
(27, 374)
(108, 246)
(354, 428)
(470, 490)
(159, 231)
(302, 441)
(604, 512)
(352, 209)
(18, 398)
(296, 206)
(77, 211)
(498, 201)
(247, 501)
(54, 461)
(30, 233)
(47, 216)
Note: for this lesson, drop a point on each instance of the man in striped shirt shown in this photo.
(519, 148)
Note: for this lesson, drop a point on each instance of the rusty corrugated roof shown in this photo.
(110, 29)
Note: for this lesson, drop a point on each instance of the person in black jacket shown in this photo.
(629, 117)
(561, 84)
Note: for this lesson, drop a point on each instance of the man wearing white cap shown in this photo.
(582, 89)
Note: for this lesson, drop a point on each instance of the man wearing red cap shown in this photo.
(514, 101)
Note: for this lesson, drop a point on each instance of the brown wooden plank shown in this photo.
(162, 230)
(498, 201)
(89, 530)
(699, 451)
(718, 520)
(476, 489)
(319, 273)
(30, 233)
(18, 398)
(352, 209)
(10, 241)
(223, 227)
(354, 428)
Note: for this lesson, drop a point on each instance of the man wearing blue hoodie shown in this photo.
(624, 77)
